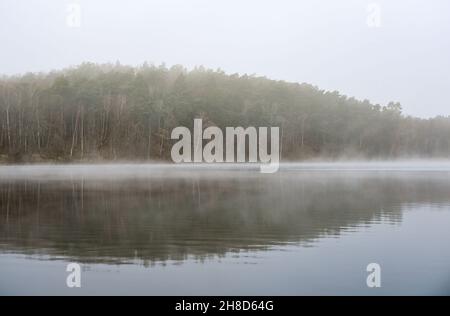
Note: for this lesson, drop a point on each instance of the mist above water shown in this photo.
(125, 170)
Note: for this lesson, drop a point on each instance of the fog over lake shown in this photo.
(226, 229)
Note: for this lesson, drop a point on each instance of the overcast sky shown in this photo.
(395, 50)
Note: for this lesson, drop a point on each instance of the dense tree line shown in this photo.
(119, 112)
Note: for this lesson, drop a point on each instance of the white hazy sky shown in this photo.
(327, 43)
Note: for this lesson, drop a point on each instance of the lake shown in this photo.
(161, 229)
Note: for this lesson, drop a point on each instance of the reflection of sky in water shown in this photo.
(188, 232)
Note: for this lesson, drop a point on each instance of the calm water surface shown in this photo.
(225, 230)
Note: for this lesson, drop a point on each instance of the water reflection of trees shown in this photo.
(171, 218)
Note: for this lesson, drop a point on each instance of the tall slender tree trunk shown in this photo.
(8, 128)
(82, 132)
(149, 140)
(74, 133)
(303, 132)
(38, 128)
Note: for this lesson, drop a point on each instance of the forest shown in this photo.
(112, 112)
